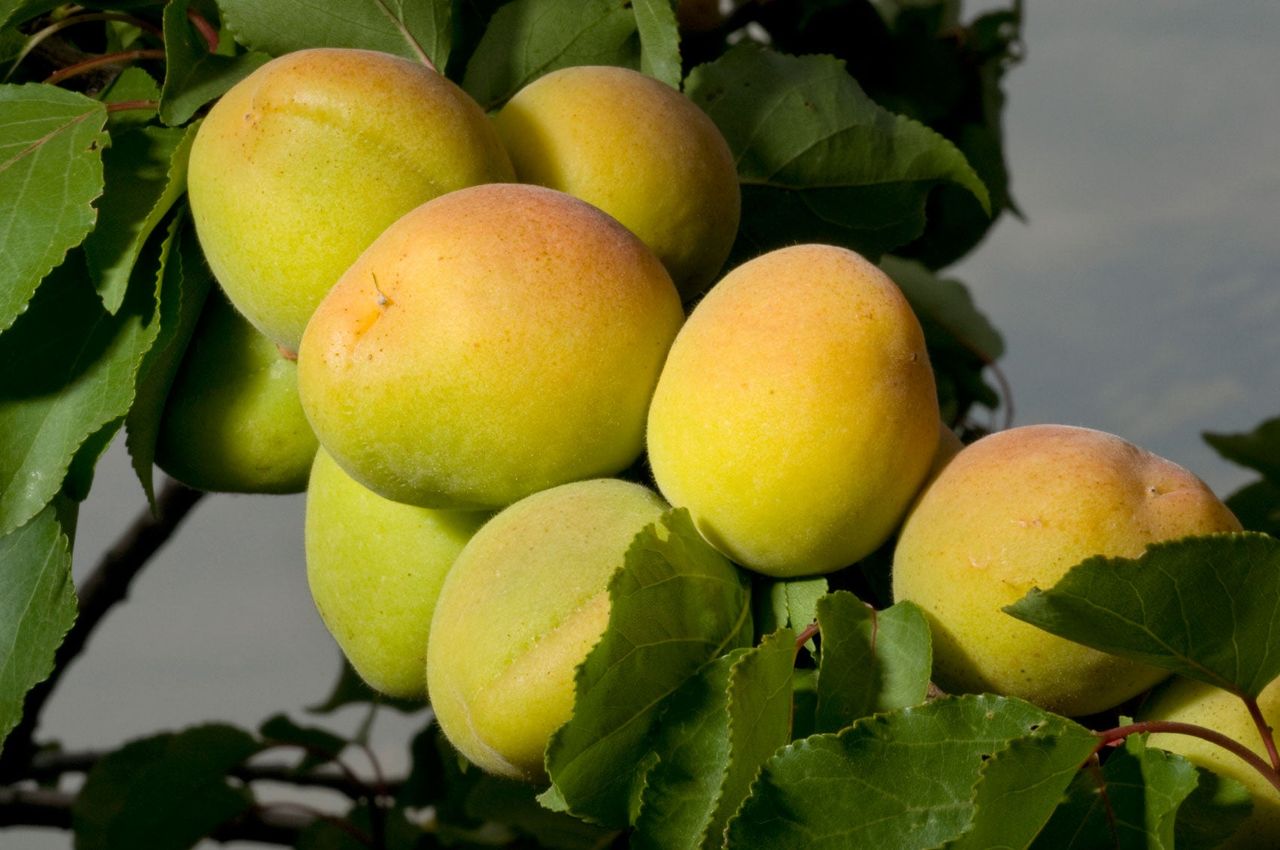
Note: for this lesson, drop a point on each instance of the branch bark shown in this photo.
(42, 807)
(105, 587)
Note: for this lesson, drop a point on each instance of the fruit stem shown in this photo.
(804, 636)
(1264, 729)
(207, 32)
(1251, 758)
(98, 61)
(124, 105)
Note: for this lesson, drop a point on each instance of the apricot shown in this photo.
(232, 422)
(796, 416)
(303, 163)
(637, 149)
(521, 608)
(1188, 701)
(494, 342)
(1016, 510)
(375, 568)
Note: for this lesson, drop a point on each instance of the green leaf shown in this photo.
(715, 732)
(185, 281)
(50, 172)
(1257, 506)
(913, 778)
(1145, 799)
(414, 29)
(786, 603)
(133, 84)
(529, 38)
(37, 608)
(1020, 788)
(1258, 449)
(659, 40)
(675, 605)
(493, 800)
(69, 370)
(1205, 607)
(194, 76)
(872, 661)
(164, 792)
(146, 173)
(945, 308)
(319, 746)
(819, 160)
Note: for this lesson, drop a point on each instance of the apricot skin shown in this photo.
(1016, 510)
(637, 149)
(494, 342)
(233, 422)
(375, 568)
(304, 162)
(796, 416)
(521, 608)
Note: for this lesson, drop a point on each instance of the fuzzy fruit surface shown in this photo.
(303, 163)
(637, 149)
(521, 608)
(1188, 701)
(375, 568)
(1016, 510)
(233, 422)
(494, 342)
(796, 415)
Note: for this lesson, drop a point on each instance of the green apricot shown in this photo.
(375, 568)
(233, 422)
(521, 608)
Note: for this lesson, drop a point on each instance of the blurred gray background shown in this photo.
(1142, 296)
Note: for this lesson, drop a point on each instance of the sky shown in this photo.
(1141, 296)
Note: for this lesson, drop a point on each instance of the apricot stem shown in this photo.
(1264, 729)
(1119, 733)
(207, 32)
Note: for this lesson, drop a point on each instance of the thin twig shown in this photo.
(34, 40)
(206, 29)
(105, 587)
(125, 105)
(121, 58)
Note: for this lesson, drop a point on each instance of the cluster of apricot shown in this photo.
(467, 344)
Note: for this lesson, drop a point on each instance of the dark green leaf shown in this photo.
(355, 832)
(1257, 506)
(529, 38)
(715, 732)
(1258, 449)
(819, 160)
(1020, 788)
(319, 746)
(659, 40)
(493, 800)
(184, 283)
(350, 689)
(37, 607)
(81, 472)
(945, 307)
(910, 779)
(414, 29)
(194, 76)
(69, 370)
(872, 661)
(163, 793)
(675, 604)
(50, 173)
(1140, 799)
(1205, 607)
(146, 173)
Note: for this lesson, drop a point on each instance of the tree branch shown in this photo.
(105, 587)
(42, 807)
